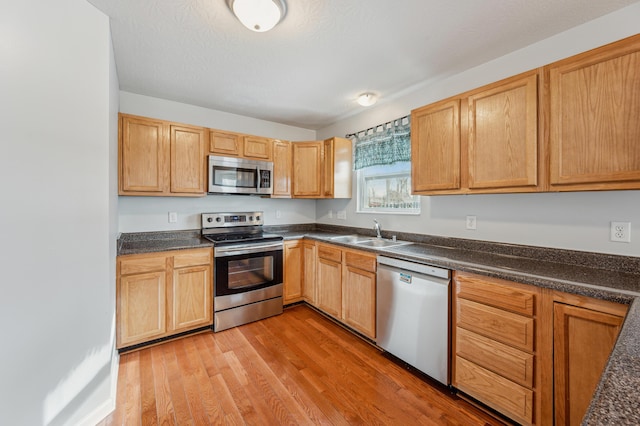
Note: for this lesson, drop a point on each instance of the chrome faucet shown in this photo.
(376, 227)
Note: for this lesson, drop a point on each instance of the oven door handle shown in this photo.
(246, 249)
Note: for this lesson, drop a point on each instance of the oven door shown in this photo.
(246, 267)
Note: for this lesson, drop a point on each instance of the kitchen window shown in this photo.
(382, 160)
(386, 189)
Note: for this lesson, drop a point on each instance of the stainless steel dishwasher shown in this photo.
(412, 314)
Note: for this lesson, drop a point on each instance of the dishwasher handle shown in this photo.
(420, 268)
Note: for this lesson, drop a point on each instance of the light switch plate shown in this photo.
(173, 217)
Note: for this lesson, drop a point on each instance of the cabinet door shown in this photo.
(225, 143)
(257, 148)
(143, 156)
(359, 300)
(141, 307)
(309, 271)
(307, 169)
(187, 160)
(293, 257)
(329, 283)
(281, 169)
(503, 136)
(435, 147)
(582, 341)
(191, 301)
(594, 126)
(327, 168)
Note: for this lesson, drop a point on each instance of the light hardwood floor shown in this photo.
(298, 368)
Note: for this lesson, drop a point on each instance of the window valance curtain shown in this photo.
(384, 144)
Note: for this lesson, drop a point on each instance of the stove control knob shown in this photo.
(218, 219)
(209, 219)
(257, 218)
(250, 218)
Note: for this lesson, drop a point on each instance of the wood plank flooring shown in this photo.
(298, 368)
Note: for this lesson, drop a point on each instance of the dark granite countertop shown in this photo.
(152, 242)
(608, 277)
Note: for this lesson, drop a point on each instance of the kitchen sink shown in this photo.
(382, 243)
(351, 239)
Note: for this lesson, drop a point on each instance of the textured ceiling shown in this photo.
(308, 71)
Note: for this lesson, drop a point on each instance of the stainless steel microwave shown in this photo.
(229, 175)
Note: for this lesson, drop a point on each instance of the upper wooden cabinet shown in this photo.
(225, 143)
(160, 158)
(307, 169)
(593, 112)
(188, 171)
(435, 147)
(257, 148)
(483, 141)
(322, 169)
(281, 169)
(569, 126)
(502, 143)
(143, 156)
(233, 144)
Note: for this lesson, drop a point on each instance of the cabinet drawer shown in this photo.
(192, 258)
(362, 261)
(494, 390)
(504, 360)
(506, 327)
(495, 292)
(137, 265)
(329, 253)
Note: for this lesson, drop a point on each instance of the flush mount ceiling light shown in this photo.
(258, 15)
(367, 99)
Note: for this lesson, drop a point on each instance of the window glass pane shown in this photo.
(387, 189)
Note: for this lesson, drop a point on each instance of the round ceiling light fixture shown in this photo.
(367, 99)
(258, 15)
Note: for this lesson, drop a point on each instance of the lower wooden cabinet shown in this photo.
(309, 287)
(329, 279)
(495, 350)
(359, 292)
(584, 333)
(534, 355)
(161, 294)
(346, 286)
(293, 267)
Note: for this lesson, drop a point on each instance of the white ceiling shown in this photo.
(308, 71)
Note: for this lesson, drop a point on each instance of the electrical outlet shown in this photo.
(471, 222)
(621, 232)
(342, 214)
(278, 214)
(330, 214)
(173, 217)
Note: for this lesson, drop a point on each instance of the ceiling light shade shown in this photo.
(367, 99)
(258, 15)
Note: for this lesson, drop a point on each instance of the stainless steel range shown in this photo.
(248, 268)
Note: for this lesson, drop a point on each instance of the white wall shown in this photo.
(57, 220)
(141, 214)
(577, 221)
